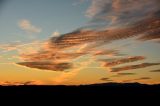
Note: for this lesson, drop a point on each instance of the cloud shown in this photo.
(143, 78)
(27, 26)
(21, 47)
(9, 47)
(130, 67)
(55, 34)
(47, 65)
(108, 52)
(125, 74)
(137, 79)
(65, 76)
(150, 35)
(123, 60)
(155, 70)
(32, 82)
(48, 55)
(97, 38)
(106, 79)
(71, 46)
(138, 19)
(121, 12)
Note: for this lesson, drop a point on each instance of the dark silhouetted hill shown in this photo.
(93, 90)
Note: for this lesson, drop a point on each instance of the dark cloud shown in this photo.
(151, 35)
(155, 70)
(143, 78)
(137, 79)
(107, 60)
(124, 74)
(49, 55)
(89, 36)
(47, 65)
(28, 83)
(130, 67)
(33, 82)
(121, 12)
(106, 79)
(123, 60)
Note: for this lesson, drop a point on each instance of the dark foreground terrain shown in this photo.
(94, 90)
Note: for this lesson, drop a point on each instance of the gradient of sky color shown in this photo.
(26, 24)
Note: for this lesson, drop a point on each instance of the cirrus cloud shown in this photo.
(131, 67)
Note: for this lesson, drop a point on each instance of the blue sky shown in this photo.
(49, 15)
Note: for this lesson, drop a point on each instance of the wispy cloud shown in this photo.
(123, 60)
(143, 78)
(106, 36)
(108, 52)
(155, 70)
(121, 12)
(131, 67)
(32, 82)
(138, 19)
(106, 79)
(27, 26)
(137, 79)
(30, 47)
(125, 74)
(47, 65)
(64, 47)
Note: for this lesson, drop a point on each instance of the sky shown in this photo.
(72, 42)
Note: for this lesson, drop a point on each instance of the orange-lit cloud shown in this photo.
(65, 76)
(67, 47)
(140, 22)
(108, 52)
(103, 37)
(30, 47)
(33, 82)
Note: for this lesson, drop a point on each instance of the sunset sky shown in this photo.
(76, 42)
